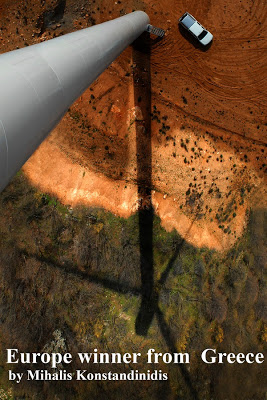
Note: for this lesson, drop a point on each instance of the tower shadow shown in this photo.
(142, 99)
(150, 290)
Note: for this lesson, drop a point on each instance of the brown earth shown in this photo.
(205, 110)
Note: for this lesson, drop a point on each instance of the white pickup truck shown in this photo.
(196, 29)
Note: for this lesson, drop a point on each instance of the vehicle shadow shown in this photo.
(190, 38)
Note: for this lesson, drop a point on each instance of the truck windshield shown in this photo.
(188, 21)
(202, 35)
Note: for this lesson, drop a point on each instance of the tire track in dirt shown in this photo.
(231, 69)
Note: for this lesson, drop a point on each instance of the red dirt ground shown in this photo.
(208, 127)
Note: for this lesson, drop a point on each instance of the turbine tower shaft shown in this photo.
(40, 82)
